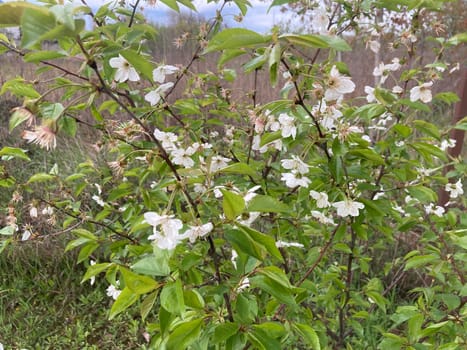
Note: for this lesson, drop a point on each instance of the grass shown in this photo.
(43, 305)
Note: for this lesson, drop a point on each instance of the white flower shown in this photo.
(125, 70)
(113, 292)
(271, 123)
(399, 143)
(380, 71)
(250, 194)
(217, 163)
(244, 283)
(277, 144)
(195, 232)
(283, 244)
(397, 89)
(169, 236)
(155, 96)
(445, 144)
(287, 125)
(167, 139)
(322, 218)
(370, 94)
(348, 207)
(454, 189)
(48, 210)
(234, 257)
(98, 200)
(321, 199)
(432, 209)
(183, 157)
(337, 85)
(294, 179)
(33, 212)
(320, 20)
(399, 209)
(421, 92)
(26, 234)
(394, 66)
(295, 164)
(252, 216)
(159, 73)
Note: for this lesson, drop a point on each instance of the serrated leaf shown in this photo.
(171, 297)
(233, 204)
(138, 284)
(267, 204)
(153, 265)
(309, 335)
(239, 168)
(7, 231)
(184, 334)
(306, 40)
(147, 304)
(270, 286)
(123, 302)
(263, 240)
(235, 38)
(41, 177)
(14, 152)
(242, 242)
(368, 154)
(420, 260)
(94, 270)
(224, 331)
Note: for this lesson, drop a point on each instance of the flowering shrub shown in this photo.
(290, 224)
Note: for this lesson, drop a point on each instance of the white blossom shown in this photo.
(322, 218)
(321, 199)
(445, 144)
(159, 73)
(168, 237)
(338, 85)
(183, 157)
(154, 96)
(454, 189)
(348, 207)
(26, 234)
(294, 179)
(113, 291)
(374, 45)
(217, 163)
(295, 164)
(98, 200)
(421, 92)
(287, 125)
(283, 244)
(125, 70)
(48, 210)
(244, 283)
(43, 135)
(370, 94)
(167, 139)
(397, 89)
(33, 212)
(399, 209)
(436, 210)
(195, 232)
(92, 280)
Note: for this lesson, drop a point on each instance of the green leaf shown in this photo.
(20, 88)
(263, 240)
(246, 308)
(14, 153)
(140, 62)
(233, 204)
(7, 231)
(138, 284)
(172, 297)
(68, 125)
(52, 110)
(34, 24)
(461, 124)
(153, 265)
(123, 302)
(184, 334)
(272, 287)
(39, 56)
(11, 12)
(427, 128)
(94, 270)
(307, 40)
(423, 194)
(242, 242)
(267, 204)
(420, 260)
(368, 154)
(147, 304)
(193, 299)
(276, 274)
(19, 116)
(336, 43)
(309, 335)
(239, 168)
(414, 327)
(171, 4)
(224, 331)
(41, 177)
(235, 38)
(228, 55)
(274, 63)
(263, 340)
(458, 39)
